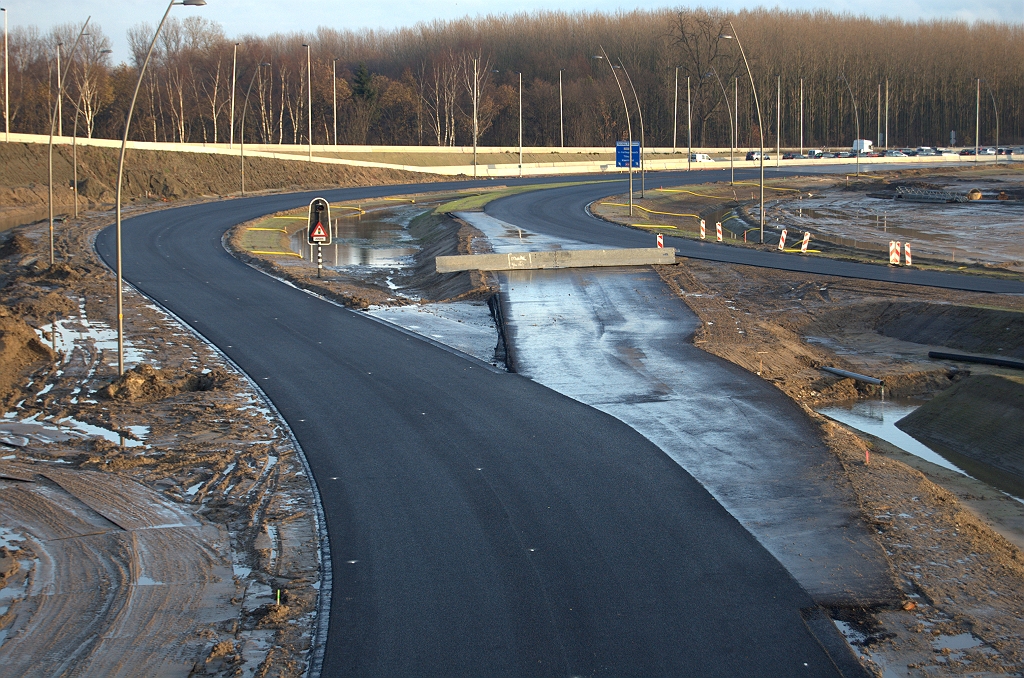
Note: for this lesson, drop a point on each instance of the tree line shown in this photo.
(420, 85)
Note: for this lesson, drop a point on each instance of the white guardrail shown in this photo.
(654, 158)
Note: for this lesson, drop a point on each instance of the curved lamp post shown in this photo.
(641, 114)
(629, 125)
(856, 117)
(757, 105)
(996, 109)
(74, 140)
(53, 123)
(120, 175)
(241, 131)
(732, 131)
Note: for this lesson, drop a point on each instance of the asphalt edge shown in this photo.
(314, 666)
(824, 631)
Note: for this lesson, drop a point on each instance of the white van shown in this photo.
(700, 157)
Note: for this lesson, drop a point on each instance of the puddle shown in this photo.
(464, 326)
(878, 418)
(378, 239)
(62, 335)
(21, 432)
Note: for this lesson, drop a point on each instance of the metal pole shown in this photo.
(778, 119)
(120, 175)
(801, 116)
(334, 86)
(56, 114)
(520, 124)
(309, 100)
(7, 79)
(475, 127)
(977, 121)
(561, 116)
(675, 112)
(689, 128)
(241, 131)
(996, 110)
(732, 133)
(887, 114)
(234, 74)
(74, 155)
(878, 117)
(629, 126)
(641, 115)
(856, 117)
(60, 108)
(760, 125)
(736, 110)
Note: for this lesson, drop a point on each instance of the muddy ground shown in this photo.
(943, 532)
(945, 535)
(160, 523)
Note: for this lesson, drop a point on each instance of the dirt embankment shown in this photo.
(151, 519)
(157, 176)
(979, 424)
(962, 577)
(433, 235)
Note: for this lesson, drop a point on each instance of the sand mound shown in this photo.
(979, 425)
(15, 245)
(145, 383)
(20, 348)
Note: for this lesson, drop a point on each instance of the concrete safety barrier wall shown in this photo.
(513, 261)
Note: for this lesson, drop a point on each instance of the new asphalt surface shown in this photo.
(479, 523)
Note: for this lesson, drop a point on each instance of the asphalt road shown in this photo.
(563, 213)
(480, 524)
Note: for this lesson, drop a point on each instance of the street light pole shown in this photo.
(629, 125)
(334, 88)
(977, 121)
(234, 73)
(309, 101)
(778, 119)
(60, 89)
(760, 125)
(856, 117)
(56, 114)
(520, 123)
(120, 175)
(476, 127)
(732, 132)
(689, 127)
(801, 116)
(7, 81)
(561, 115)
(640, 113)
(996, 109)
(241, 131)
(675, 112)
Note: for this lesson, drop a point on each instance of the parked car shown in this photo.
(926, 150)
(844, 154)
(793, 156)
(814, 153)
(893, 153)
(700, 157)
(827, 155)
(1004, 151)
(756, 155)
(967, 151)
(988, 151)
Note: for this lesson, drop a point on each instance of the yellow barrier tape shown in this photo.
(797, 249)
(401, 200)
(670, 214)
(699, 195)
(655, 226)
(771, 188)
(282, 254)
(349, 207)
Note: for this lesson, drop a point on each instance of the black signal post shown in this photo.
(318, 230)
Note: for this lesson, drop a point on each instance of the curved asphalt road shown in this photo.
(480, 524)
(562, 212)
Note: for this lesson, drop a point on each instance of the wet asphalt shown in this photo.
(479, 522)
(619, 340)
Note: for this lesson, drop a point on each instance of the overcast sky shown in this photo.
(264, 17)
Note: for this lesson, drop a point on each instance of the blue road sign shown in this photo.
(622, 155)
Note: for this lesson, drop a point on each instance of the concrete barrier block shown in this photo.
(555, 259)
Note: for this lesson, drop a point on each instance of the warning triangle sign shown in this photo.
(318, 232)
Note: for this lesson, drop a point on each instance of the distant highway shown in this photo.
(480, 524)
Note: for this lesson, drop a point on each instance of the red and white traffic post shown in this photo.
(703, 230)
(718, 230)
(316, 232)
(782, 240)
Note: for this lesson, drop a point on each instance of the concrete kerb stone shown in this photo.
(514, 261)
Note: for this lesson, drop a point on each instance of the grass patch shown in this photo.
(476, 202)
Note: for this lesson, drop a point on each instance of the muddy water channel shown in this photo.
(952, 232)
(377, 239)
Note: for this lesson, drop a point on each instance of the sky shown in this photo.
(284, 16)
